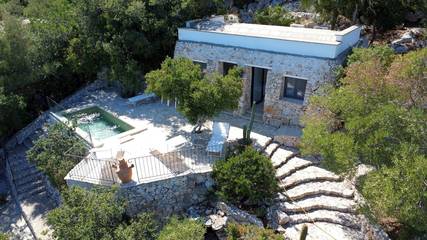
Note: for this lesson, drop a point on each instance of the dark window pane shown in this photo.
(294, 88)
(202, 65)
(227, 66)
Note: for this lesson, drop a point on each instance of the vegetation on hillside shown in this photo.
(53, 47)
(200, 96)
(250, 232)
(177, 229)
(273, 16)
(377, 116)
(57, 153)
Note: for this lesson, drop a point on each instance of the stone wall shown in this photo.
(168, 196)
(277, 110)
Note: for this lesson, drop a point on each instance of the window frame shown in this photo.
(294, 96)
(201, 64)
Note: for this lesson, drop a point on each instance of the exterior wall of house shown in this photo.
(277, 110)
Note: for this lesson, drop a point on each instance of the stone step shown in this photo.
(25, 172)
(16, 162)
(281, 156)
(309, 174)
(335, 189)
(291, 166)
(344, 219)
(271, 148)
(323, 231)
(17, 170)
(29, 187)
(319, 203)
(28, 179)
(33, 192)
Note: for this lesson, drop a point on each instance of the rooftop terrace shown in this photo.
(290, 40)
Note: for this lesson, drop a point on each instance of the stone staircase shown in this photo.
(312, 196)
(31, 187)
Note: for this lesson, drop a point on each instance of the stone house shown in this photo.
(283, 66)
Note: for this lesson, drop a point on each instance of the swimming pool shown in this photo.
(97, 123)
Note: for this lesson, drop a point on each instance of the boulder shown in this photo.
(277, 218)
(216, 222)
(239, 216)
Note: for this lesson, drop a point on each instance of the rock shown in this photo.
(400, 48)
(239, 216)
(221, 213)
(193, 213)
(276, 218)
(208, 211)
(216, 222)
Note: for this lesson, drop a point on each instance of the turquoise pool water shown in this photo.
(98, 123)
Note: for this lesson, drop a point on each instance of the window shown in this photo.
(294, 88)
(226, 67)
(202, 65)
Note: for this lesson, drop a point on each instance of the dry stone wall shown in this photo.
(277, 110)
(168, 196)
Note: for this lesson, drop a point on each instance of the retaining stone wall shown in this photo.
(277, 110)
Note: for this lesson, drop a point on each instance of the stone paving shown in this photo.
(12, 222)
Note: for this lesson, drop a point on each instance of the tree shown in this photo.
(12, 114)
(57, 152)
(376, 116)
(86, 214)
(247, 179)
(400, 192)
(200, 97)
(382, 15)
(273, 16)
(177, 229)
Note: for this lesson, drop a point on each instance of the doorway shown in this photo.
(259, 80)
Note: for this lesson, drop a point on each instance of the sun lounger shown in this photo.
(219, 137)
(143, 98)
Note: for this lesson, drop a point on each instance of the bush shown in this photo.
(142, 227)
(4, 236)
(250, 232)
(273, 16)
(57, 152)
(177, 229)
(246, 179)
(86, 214)
(11, 113)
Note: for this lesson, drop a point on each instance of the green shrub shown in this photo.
(86, 214)
(250, 232)
(273, 16)
(177, 229)
(142, 227)
(57, 153)
(4, 236)
(246, 179)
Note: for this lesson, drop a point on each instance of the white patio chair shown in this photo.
(220, 131)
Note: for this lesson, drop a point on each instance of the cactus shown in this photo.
(247, 129)
(304, 232)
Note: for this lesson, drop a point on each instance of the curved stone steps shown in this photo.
(319, 203)
(309, 174)
(323, 231)
(271, 148)
(291, 166)
(344, 219)
(281, 156)
(326, 188)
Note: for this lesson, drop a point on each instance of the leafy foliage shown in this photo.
(200, 97)
(400, 191)
(12, 113)
(273, 16)
(4, 236)
(250, 232)
(382, 14)
(86, 214)
(141, 227)
(377, 117)
(57, 152)
(246, 179)
(177, 229)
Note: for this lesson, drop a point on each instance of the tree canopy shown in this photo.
(377, 116)
(200, 96)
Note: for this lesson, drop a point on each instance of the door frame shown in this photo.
(263, 83)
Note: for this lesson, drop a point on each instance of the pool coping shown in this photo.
(86, 136)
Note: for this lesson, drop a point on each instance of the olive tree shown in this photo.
(200, 96)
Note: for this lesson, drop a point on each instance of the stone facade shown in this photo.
(277, 110)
